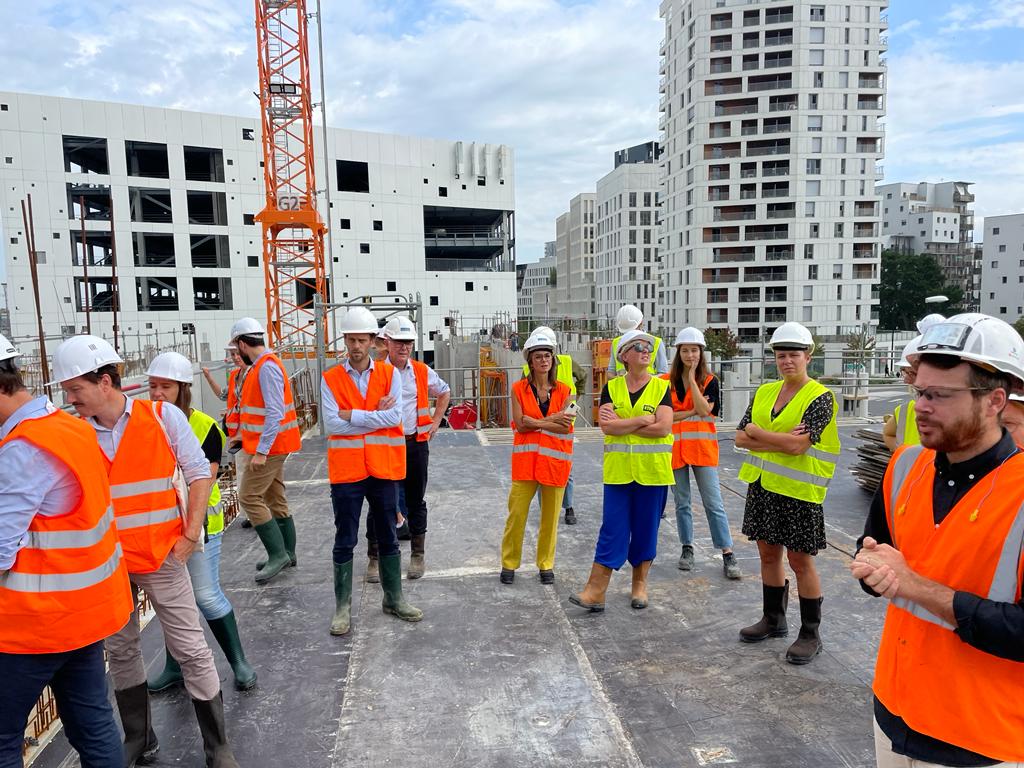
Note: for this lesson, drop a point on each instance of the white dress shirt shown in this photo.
(362, 422)
(436, 386)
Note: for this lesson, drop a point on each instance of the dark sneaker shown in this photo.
(570, 516)
(547, 577)
(730, 566)
(507, 576)
(686, 559)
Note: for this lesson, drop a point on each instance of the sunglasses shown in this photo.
(642, 347)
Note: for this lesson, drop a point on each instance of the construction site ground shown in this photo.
(500, 675)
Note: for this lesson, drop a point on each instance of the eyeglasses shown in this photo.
(942, 394)
(542, 355)
(401, 342)
(642, 347)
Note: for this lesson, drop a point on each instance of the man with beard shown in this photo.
(943, 543)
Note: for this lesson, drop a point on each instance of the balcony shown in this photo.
(775, 314)
(765, 274)
(762, 148)
(865, 230)
(869, 81)
(771, 39)
(865, 272)
(722, 87)
(776, 211)
(865, 209)
(775, 293)
(867, 146)
(728, 255)
(721, 22)
(751, 40)
(748, 107)
(775, 168)
(748, 173)
(782, 104)
(750, 295)
(718, 69)
(778, 18)
(751, 62)
(775, 190)
(721, 151)
(779, 253)
(774, 61)
(731, 235)
(864, 250)
(749, 130)
(769, 83)
(721, 43)
(749, 194)
(720, 275)
(757, 232)
(778, 125)
(751, 18)
(720, 132)
(718, 172)
(735, 214)
(749, 314)
(715, 195)
(870, 103)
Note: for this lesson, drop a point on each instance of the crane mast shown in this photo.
(293, 231)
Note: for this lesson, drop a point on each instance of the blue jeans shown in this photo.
(710, 496)
(567, 496)
(79, 683)
(204, 569)
(629, 524)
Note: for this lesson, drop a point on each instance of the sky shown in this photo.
(563, 83)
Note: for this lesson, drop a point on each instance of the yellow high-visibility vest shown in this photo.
(906, 425)
(201, 425)
(631, 458)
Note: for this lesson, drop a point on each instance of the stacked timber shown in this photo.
(872, 459)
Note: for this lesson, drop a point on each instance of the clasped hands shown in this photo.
(881, 567)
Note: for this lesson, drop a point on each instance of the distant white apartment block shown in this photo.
(176, 192)
(626, 247)
(935, 219)
(574, 294)
(771, 119)
(1002, 267)
(536, 277)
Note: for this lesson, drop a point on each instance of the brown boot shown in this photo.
(592, 596)
(640, 584)
(416, 563)
(372, 575)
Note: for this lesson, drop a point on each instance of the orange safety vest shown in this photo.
(696, 438)
(68, 587)
(232, 418)
(541, 456)
(424, 422)
(941, 686)
(381, 453)
(141, 485)
(254, 412)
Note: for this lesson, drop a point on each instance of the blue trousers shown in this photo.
(204, 569)
(78, 680)
(567, 496)
(629, 524)
(347, 499)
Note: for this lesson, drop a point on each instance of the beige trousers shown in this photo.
(886, 758)
(261, 490)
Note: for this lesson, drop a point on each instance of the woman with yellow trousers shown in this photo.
(541, 456)
(636, 418)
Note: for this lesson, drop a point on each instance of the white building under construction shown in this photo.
(171, 195)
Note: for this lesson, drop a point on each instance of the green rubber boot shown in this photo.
(277, 558)
(390, 569)
(225, 629)
(170, 677)
(342, 621)
(287, 526)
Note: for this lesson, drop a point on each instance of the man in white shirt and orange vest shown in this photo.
(362, 408)
(231, 395)
(145, 444)
(63, 583)
(944, 543)
(269, 432)
(419, 384)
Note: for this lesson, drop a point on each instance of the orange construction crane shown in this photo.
(293, 232)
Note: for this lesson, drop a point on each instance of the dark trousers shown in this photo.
(417, 456)
(347, 499)
(78, 680)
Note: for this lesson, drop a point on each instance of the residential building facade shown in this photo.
(1002, 267)
(575, 293)
(537, 276)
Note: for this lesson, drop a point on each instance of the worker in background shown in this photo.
(63, 582)
(268, 432)
(900, 427)
(366, 448)
(420, 384)
(170, 381)
(380, 352)
(543, 410)
(943, 544)
(231, 395)
(145, 444)
(636, 418)
(570, 373)
(1013, 419)
(790, 431)
(380, 346)
(630, 318)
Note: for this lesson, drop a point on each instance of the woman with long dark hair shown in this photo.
(696, 404)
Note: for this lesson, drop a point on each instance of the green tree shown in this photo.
(553, 277)
(1019, 326)
(907, 280)
(722, 343)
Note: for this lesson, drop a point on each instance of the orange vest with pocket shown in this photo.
(254, 412)
(68, 587)
(541, 456)
(424, 422)
(380, 454)
(232, 418)
(941, 686)
(696, 437)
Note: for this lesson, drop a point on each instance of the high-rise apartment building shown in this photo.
(575, 295)
(1002, 267)
(626, 247)
(771, 132)
(935, 219)
(536, 277)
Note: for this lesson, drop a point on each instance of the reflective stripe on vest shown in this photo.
(139, 487)
(379, 454)
(424, 421)
(253, 412)
(201, 424)
(906, 424)
(232, 418)
(540, 455)
(67, 587)
(806, 476)
(620, 368)
(630, 458)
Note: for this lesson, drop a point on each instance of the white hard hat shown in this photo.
(359, 320)
(910, 349)
(80, 355)
(400, 328)
(1017, 399)
(690, 336)
(7, 349)
(928, 321)
(792, 335)
(629, 337)
(247, 326)
(171, 365)
(545, 329)
(628, 318)
(977, 338)
(539, 339)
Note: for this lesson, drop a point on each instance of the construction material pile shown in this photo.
(872, 459)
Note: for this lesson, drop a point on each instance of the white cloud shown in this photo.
(997, 14)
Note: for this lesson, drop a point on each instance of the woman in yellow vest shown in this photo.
(636, 418)
(541, 457)
(696, 401)
(170, 380)
(790, 431)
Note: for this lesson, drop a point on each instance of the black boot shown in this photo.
(140, 742)
(808, 642)
(210, 715)
(570, 516)
(225, 629)
(341, 623)
(270, 534)
(773, 622)
(247, 523)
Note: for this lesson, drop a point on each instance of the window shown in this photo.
(364, 247)
(808, 292)
(813, 165)
(995, 230)
(204, 164)
(345, 224)
(392, 285)
(157, 294)
(353, 176)
(95, 199)
(378, 226)
(809, 209)
(817, 35)
(151, 206)
(813, 188)
(146, 158)
(85, 154)
(817, 57)
(837, 271)
(248, 219)
(812, 271)
(101, 294)
(469, 286)
(434, 301)
(153, 250)
(442, 191)
(252, 261)
(209, 252)
(207, 208)
(248, 134)
(1002, 249)
(212, 293)
(814, 123)
(817, 13)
